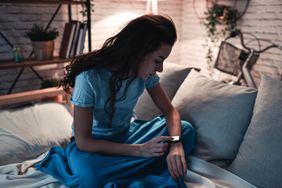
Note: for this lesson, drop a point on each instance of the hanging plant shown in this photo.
(220, 20)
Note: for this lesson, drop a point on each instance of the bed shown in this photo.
(27, 132)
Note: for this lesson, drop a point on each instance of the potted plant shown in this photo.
(42, 41)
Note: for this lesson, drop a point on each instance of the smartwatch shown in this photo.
(175, 139)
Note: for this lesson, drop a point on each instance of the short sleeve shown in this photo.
(83, 94)
(152, 81)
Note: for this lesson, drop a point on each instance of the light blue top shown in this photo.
(92, 90)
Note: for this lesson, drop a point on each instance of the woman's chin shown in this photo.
(144, 77)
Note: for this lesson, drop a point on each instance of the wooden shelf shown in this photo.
(30, 63)
(30, 95)
(9, 64)
(43, 1)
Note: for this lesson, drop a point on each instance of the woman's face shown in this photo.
(153, 62)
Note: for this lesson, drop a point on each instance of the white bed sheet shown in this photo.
(200, 175)
(23, 175)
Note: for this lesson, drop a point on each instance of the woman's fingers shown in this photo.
(179, 167)
(170, 169)
(158, 146)
(184, 165)
(154, 147)
(159, 149)
(163, 138)
(175, 166)
(176, 161)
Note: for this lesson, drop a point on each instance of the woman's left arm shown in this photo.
(176, 158)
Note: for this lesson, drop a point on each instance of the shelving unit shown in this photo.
(9, 64)
(60, 3)
(30, 63)
(30, 95)
(43, 1)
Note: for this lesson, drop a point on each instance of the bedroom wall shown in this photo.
(15, 19)
(263, 18)
(108, 17)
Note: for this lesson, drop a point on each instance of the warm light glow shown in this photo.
(110, 25)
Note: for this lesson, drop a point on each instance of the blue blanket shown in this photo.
(76, 168)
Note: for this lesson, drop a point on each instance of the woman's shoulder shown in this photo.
(95, 72)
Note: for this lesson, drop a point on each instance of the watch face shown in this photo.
(175, 138)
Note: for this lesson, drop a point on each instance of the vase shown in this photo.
(43, 50)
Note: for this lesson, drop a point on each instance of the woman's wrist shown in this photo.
(175, 139)
(137, 150)
(175, 145)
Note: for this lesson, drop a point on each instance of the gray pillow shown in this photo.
(259, 160)
(170, 80)
(220, 113)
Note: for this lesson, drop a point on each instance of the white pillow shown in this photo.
(28, 132)
(220, 113)
(170, 80)
(259, 159)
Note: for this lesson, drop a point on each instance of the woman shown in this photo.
(109, 149)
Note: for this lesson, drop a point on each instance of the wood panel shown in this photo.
(8, 64)
(28, 96)
(43, 1)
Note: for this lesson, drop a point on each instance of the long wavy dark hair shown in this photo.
(122, 54)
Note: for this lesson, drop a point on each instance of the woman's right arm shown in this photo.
(83, 118)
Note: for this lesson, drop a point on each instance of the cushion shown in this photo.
(170, 80)
(219, 112)
(30, 131)
(259, 158)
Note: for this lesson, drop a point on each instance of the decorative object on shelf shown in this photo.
(220, 20)
(42, 41)
(18, 57)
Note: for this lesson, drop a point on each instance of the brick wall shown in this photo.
(263, 18)
(108, 17)
(15, 19)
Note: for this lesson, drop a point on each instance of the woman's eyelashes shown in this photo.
(158, 61)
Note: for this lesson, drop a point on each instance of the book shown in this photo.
(67, 39)
(75, 37)
(81, 39)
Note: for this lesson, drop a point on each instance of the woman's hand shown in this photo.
(176, 162)
(155, 147)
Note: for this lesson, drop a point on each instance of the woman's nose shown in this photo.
(159, 68)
